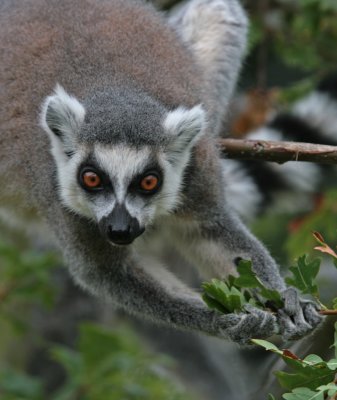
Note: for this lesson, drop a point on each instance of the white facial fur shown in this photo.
(186, 126)
(62, 117)
(66, 114)
(123, 164)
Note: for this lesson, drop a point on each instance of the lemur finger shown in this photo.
(224, 322)
(291, 301)
(266, 322)
(255, 323)
(292, 328)
(310, 311)
(285, 324)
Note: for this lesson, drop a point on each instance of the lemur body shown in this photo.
(133, 150)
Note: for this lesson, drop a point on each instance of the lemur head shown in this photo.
(120, 156)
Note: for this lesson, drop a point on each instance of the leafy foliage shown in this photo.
(16, 386)
(25, 279)
(112, 366)
(311, 378)
(226, 297)
(248, 279)
(302, 32)
(25, 275)
(335, 342)
(105, 365)
(322, 220)
(304, 274)
(218, 295)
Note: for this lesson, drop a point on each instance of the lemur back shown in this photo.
(83, 45)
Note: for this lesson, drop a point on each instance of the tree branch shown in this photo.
(279, 152)
(328, 312)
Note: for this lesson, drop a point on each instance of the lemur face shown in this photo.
(122, 185)
(122, 188)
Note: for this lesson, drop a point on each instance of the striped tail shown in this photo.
(251, 187)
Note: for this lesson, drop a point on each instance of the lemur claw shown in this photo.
(298, 317)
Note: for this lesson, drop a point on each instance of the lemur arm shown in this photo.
(215, 31)
(147, 290)
(216, 244)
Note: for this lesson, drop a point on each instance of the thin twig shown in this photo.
(328, 312)
(279, 152)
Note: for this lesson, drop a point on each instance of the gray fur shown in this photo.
(130, 71)
(207, 26)
(123, 115)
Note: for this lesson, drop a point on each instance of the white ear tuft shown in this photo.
(185, 126)
(62, 116)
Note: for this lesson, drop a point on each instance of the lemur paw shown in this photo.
(254, 323)
(298, 317)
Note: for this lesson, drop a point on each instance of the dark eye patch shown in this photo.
(151, 169)
(91, 165)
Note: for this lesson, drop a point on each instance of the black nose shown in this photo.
(120, 235)
(120, 227)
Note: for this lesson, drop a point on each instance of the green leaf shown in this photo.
(304, 273)
(248, 279)
(271, 397)
(303, 394)
(332, 364)
(94, 342)
(308, 373)
(21, 386)
(330, 388)
(267, 346)
(306, 376)
(313, 359)
(334, 303)
(218, 295)
(69, 359)
(214, 304)
(335, 342)
(227, 297)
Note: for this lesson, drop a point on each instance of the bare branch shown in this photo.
(328, 312)
(279, 152)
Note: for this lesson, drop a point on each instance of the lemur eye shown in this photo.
(149, 183)
(91, 180)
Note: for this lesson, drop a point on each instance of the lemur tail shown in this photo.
(251, 187)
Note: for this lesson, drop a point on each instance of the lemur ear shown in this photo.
(62, 116)
(185, 126)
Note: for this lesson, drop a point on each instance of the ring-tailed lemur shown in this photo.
(253, 187)
(133, 150)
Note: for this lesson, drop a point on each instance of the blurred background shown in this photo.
(58, 343)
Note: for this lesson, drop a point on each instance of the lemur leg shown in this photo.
(144, 289)
(215, 31)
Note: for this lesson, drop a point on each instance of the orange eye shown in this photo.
(91, 180)
(149, 183)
